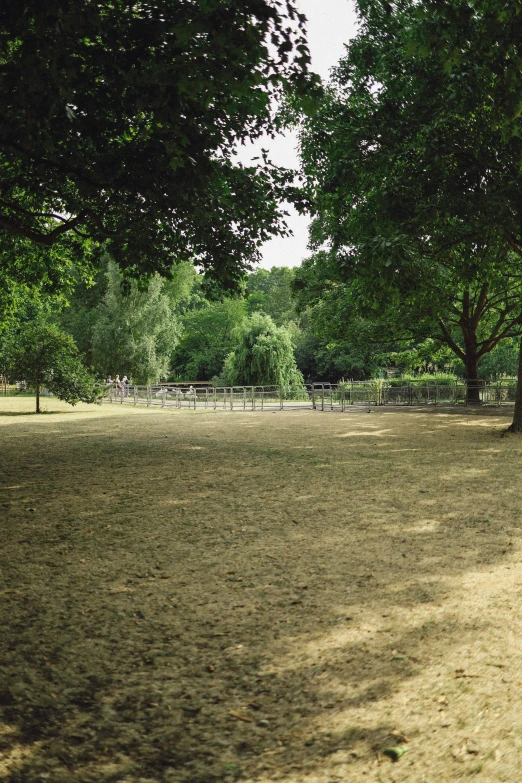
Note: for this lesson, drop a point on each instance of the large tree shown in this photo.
(417, 191)
(471, 317)
(120, 122)
(135, 331)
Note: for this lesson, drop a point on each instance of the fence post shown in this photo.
(281, 398)
(163, 397)
(231, 398)
(253, 388)
(313, 397)
(122, 394)
(322, 397)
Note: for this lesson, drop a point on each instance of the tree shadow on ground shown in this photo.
(219, 605)
(29, 413)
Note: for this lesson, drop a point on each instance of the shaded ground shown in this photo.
(207, 596)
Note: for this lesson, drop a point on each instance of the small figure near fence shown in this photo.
(108, 381)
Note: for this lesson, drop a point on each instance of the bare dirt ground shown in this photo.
(190, 597)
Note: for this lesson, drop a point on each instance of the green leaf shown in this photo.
(396, 752)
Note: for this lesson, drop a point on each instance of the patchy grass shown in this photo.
(192, 597)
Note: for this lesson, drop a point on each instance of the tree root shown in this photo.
(512, 429)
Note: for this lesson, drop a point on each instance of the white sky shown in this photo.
(331, 23)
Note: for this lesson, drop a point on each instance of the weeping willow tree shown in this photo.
(264, 355)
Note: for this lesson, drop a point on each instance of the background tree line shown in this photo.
(285, 326)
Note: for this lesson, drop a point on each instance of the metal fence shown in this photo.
(318, 396)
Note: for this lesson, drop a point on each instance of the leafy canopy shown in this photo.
(120, 122)
(416, 190)
(209, 335)
(39, 353)
(264, 355)
(135, 332)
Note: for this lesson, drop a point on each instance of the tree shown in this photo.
(270, 292)
(42, 355)
(483, 37)
(135, 331)
(209, 335)
(263, 356)
(29, 270)
(416, 190)
(120, 122)
(471, 319)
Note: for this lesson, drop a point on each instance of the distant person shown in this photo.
(125, 383)
(117, 382)
(108, 381)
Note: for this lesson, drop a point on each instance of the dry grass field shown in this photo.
(191, 597)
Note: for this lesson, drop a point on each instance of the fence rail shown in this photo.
(318, 396)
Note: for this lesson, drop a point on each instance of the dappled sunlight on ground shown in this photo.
(193, 597)
(359, 434)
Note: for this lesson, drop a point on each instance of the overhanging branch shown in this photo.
(41, 238)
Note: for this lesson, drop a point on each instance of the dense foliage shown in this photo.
(42, 355)
(120, 122)
(263, 356)
(134, 331)
(416, 192)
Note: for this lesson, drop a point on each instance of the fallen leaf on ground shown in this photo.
(396, 752)
(240, 716)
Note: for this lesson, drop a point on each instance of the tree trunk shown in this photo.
(472, 392)
(516, 424)
(38, 398)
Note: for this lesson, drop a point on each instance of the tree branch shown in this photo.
(448, 339)
(479, 309)
(39, 237)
